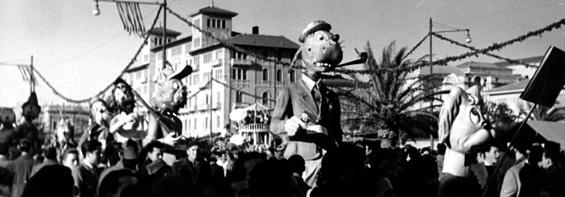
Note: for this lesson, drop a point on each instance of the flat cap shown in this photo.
(313, 27)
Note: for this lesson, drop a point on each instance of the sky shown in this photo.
(80, 53)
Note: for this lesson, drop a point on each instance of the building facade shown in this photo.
(223, 78)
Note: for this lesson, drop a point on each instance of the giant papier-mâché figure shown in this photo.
(28, 130)
(125, 123)
(164, 125)
(461, 126)
(307, 113)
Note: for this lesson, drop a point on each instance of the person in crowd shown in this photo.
(439, 158)
(50, 181)
(271, 178)
(384, 167)
(153, 167)
(85, 175)
(115, 182)
(193, 167)
(297, 165)
(7, 119)
(49, 158)
(21, 167)
(483, 169)
(525, 178)
(70, 158)
(99, 130)
(306, 113)
(552, 163)
(343, 173)
(172, 185)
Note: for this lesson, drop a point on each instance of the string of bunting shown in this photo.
(85, 100)
(131, 17)
(444, 61)
(489, 54)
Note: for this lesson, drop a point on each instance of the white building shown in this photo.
(252, 80)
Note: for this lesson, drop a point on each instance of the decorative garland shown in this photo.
(416, 46)
(85, 100)
(489, 54)
(444, 61)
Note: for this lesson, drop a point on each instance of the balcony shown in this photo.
(260, 133)
(242, 62)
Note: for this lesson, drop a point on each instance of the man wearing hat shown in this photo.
(192, 167)
(307, 113)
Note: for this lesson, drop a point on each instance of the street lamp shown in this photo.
(431, 32)
(96, 10)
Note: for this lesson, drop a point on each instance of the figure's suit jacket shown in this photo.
(295, 99)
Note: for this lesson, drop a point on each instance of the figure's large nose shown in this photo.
(336, 38)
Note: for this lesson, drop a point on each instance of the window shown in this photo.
(265, 98)
(265, 75)
(197, 42)
(292, 75)
(233, 73)
(208, 22)
(223, 24)
(239, 74)
(197, 23)
(244, 74)
(214, 23)
(279, 75)
(279, 55)
(197, 62)
(188, 47)
(238, 97)
(188, 125)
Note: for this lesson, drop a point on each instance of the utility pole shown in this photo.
(164, 33)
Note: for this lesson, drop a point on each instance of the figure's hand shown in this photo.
(170, 139)
(292, 125)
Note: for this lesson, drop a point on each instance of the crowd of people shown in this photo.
(31, 166)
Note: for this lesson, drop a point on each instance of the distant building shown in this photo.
(510, 94)
(251, 80)
(521, 69)
(78, 115)
(487, 74)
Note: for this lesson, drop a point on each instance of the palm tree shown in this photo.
(388, 103)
